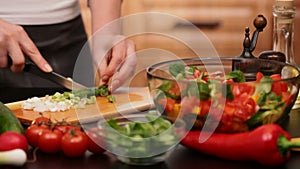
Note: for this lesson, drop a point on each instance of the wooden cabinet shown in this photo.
(223, 22)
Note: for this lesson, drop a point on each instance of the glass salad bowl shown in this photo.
(142, 139)
(224, 95)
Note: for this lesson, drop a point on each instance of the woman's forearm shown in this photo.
(104, 12)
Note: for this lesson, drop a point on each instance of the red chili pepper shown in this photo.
(268, 144)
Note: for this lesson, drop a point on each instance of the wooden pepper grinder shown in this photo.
(248, 65)
(260, 23)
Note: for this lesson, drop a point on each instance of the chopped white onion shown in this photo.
(57, 102)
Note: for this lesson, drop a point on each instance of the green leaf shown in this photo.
(176, 69)
(262, 99)
(204, 91)
(191, 70)
(265, 85)
(255, 120)
(237, 76)
(227, 92)
(165, 87)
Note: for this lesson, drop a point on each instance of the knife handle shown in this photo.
(28, 64)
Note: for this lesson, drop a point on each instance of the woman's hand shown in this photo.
(119, 61)
(15, 43)
(118, 64)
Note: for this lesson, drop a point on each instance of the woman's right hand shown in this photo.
(15, 43)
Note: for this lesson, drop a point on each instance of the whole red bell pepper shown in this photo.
(268, 144)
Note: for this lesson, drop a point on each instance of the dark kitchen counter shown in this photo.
(181, 158)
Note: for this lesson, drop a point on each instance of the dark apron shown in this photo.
(60, 44)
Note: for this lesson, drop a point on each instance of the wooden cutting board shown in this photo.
(128, 100)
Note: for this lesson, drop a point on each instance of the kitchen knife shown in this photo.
(53, 76)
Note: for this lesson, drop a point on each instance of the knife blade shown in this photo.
(53, 76)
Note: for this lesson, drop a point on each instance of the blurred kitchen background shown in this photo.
(223, 21)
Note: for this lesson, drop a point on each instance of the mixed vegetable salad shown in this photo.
(199, 96)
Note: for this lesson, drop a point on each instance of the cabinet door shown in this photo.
(223, 22)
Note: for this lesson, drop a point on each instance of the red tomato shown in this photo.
(65, 128)
(204, 107)
(74, 143)
(33, 133)
(229, 109)
(259, 76)
(287, 98)
(276, 77)
(228, 81)
(245, 107)
(278, 87)
(12, 140)
(197, 73)
(250, 105)
(42, 120)
(168, 103)
(95, 141)
(240, 108)
(175, 90)
(243, 88)
(50, 141)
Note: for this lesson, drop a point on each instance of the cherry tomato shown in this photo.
(33, 133)
(12, 140)
(74, 143)
(65, 128)
(95, 141)
(42, 120)
(50, 141)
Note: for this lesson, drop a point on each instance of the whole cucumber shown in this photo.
(8, 120)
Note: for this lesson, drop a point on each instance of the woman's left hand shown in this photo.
(118, 64)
